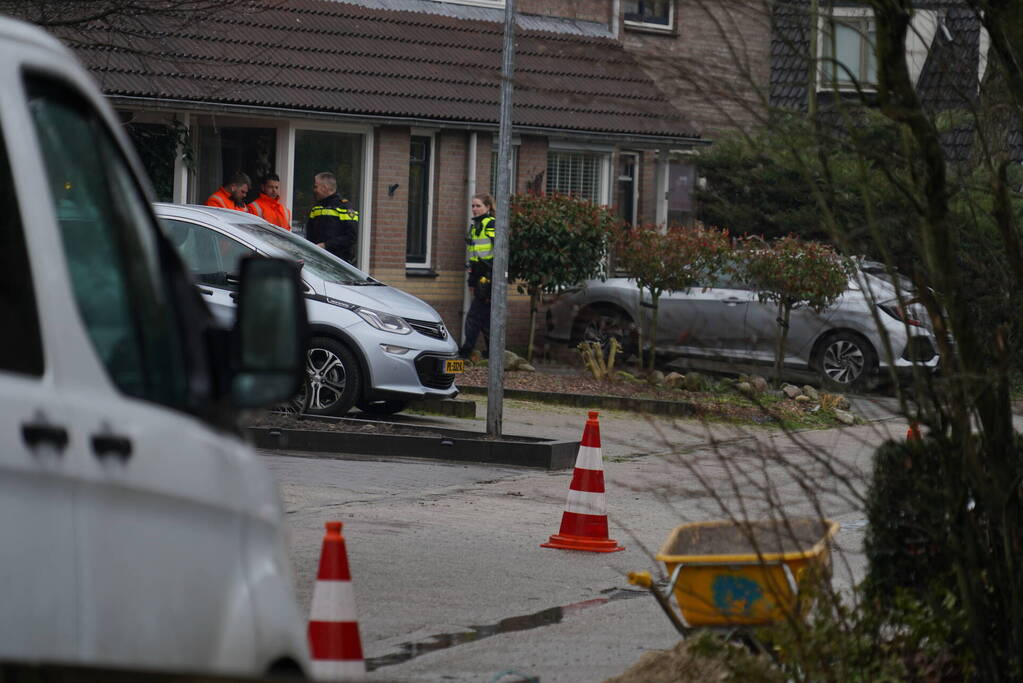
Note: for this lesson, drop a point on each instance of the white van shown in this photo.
(136, 529)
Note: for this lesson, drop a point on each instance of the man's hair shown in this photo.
(238, 178)
(328, 179)
(268, 177)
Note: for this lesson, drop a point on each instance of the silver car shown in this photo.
(371, 346)
(721, 325)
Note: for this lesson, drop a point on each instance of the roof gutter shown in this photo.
(635, 139)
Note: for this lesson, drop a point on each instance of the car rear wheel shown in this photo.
(601, 325)
(388, 407)
(846, 361)
(333, 378)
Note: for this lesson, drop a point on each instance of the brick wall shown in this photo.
(390, 213)
(444, 288)
(532, 162)
(716, 64)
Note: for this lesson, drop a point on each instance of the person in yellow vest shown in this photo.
(481, 273)
(232, 194)
(268, 205)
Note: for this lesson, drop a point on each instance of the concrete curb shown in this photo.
(645, 405)
(443, 444)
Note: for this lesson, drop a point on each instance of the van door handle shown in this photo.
(207, 292)
(36, 433)
(111, 446)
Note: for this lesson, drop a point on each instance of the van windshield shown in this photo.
(319, 262)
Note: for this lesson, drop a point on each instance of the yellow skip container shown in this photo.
(725, 573)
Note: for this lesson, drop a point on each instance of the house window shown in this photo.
(846, 49)
(319, 151)
(225, 150)
(656, 13)
(681, 180)
(627, 187)
(417, 228)
(493, 172)
(576, 173)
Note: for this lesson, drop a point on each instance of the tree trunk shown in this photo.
(783, 334)
(654, 299)
(534, 298)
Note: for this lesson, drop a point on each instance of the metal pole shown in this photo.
(499, 291)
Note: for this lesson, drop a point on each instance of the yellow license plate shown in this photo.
(454, 366)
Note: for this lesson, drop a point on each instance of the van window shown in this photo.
(110, 246)
(21, 347)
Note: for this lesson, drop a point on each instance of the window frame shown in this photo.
(493, 4)
(831, 78)
(668, 26)
(428, 200)
(603, 155)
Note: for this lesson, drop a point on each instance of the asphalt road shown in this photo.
(451, 582)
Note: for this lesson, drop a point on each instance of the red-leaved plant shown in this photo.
(791, 272)
(662, 260)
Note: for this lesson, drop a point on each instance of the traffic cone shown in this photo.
(333, 628)
(913, 433)
(584, 523)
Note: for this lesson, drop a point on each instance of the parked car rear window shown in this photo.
(320, 263)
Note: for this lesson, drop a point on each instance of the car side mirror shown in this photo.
(269, 338)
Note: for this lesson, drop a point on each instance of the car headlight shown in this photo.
(384, 321)
(900, 312)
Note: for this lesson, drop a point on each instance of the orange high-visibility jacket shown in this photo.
(222, 199)
(271, 210)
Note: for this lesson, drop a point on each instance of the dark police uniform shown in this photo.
(336, 225)
(481, 273)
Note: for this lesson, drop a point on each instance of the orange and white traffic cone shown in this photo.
(584, 523)
(333, 628)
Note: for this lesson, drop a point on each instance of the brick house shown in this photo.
(400, 99)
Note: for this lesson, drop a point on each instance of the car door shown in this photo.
(707, 320)
(39, 615)
(159, 505)
(213, 259)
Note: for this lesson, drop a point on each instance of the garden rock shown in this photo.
(791, 390)
(759, 384)
(526, 367)
(811, 392)
(746, 389)
(512, 361)
(842, 403)
(674, 380)
(695, 381)
(803, 398)
(656, 377)
(845, 417)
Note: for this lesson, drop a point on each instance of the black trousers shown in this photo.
(476, 320)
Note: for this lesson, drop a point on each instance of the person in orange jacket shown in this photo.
(268, 205)
(232, 194)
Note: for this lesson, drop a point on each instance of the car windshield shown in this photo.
(314, 260)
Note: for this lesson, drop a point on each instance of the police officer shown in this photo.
(481, 272)
(332, 224)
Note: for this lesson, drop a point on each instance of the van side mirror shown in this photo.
(270, 335)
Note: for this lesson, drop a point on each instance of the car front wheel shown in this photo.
(333, 378)
(603, 325)
(846, 361)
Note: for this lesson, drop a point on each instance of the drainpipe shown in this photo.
(811, 85)
(470, 190)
